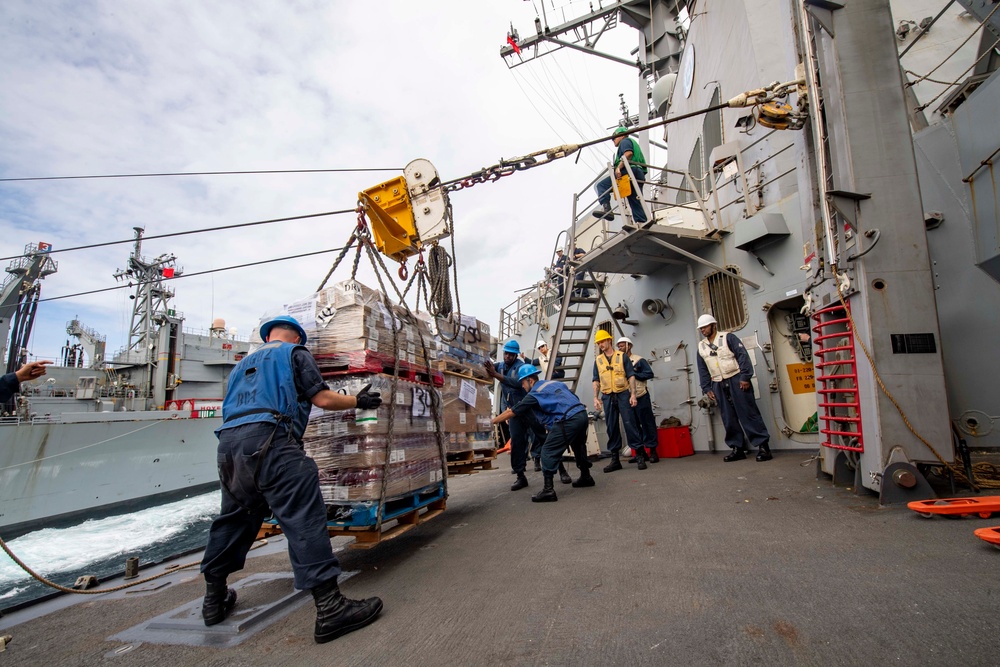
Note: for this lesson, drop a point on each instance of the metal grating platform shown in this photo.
(642, 251)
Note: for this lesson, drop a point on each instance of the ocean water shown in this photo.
(100, 547)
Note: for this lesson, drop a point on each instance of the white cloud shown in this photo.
(109, 87)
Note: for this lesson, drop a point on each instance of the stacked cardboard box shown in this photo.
(350, 332)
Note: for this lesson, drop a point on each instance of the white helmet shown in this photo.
(541, 344)
(705, 320)
(624, 339)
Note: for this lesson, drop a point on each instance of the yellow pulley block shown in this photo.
(774, 115)
(391, 218)
(407, 212)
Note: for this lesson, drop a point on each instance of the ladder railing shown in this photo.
(839, 405)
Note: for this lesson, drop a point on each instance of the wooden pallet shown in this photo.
(366, 537)
(471, 461)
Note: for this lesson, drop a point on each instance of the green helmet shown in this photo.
(620, 130)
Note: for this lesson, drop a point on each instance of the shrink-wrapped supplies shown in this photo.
(350, 332)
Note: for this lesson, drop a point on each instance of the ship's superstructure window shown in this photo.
(696, 170)
(712, 131)
(723, 296)
(606, 325)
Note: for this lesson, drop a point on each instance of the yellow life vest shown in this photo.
(611, 373)
(721, 362)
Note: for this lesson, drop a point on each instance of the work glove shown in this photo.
(368, 400)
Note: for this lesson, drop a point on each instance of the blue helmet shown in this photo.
(526, 371)
(265, 329)
(512, 347)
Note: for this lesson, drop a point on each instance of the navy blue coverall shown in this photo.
(9, 385)
(557, 408)
(511, 394)
(739, 410)
(645, 421)
(287, 483)
(617, 406)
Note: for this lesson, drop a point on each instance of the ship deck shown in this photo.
(691, 562)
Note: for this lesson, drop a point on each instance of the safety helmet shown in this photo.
(620, 131)
(512, 347)
(526, 371)
(601, 335)
(624, 339)
(705, 320)
(265, 329)
(541, 344)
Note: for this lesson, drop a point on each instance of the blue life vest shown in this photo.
(262, 389)
(511, 396)
(556, 402)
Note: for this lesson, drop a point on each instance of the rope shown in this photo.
(98, 591)
(989, 474)
(440, 290)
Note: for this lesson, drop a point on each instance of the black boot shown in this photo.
(736, 455)
(219, 601)
(615, 464)
(548, 492)
(764, 453)
(633, 458)
(520, 482)
(564, 476)
(640, 458)
(585, 479)
(653, 456)
(336, 615)
(538, 464)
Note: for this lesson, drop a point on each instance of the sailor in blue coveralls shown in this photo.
(263, 469)
(725, 370)
(511, 394)
(565, 417)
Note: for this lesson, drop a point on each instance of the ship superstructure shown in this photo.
(824, 199)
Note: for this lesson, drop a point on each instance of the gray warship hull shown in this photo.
(76, 466)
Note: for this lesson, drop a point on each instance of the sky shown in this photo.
(92, 87)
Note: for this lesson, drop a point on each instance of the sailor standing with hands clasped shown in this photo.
(725, 370)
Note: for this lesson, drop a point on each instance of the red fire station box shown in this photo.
(674, 442)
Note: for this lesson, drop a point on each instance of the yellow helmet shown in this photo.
(601, 335)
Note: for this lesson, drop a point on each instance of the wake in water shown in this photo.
(101, 546)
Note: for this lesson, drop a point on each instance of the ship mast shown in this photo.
(150, 311)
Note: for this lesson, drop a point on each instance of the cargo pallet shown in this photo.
(365, 361)
(470, 461)
(408, 512)
(463, 369)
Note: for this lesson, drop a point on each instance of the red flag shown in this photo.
(168, 272)
(513, 45)
(44, 247)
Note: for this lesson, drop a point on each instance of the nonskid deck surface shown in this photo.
(692, 561)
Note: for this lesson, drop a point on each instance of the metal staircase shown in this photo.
(575, 326)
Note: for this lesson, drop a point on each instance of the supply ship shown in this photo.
(96, 434)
